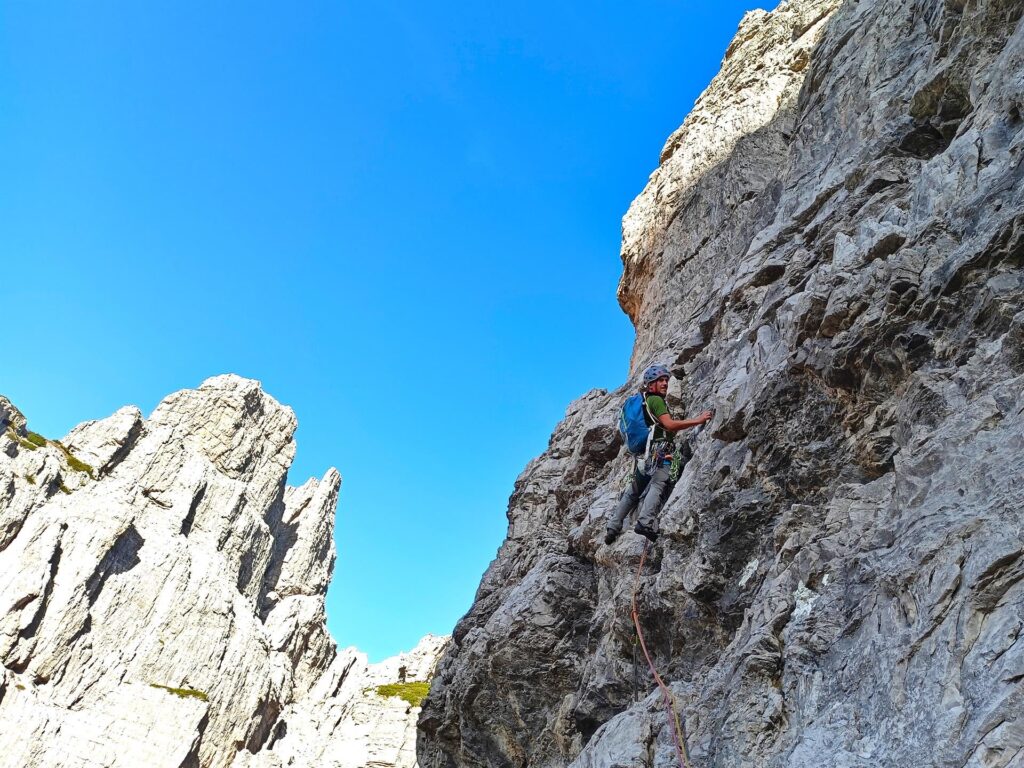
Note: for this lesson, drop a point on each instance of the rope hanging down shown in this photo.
(677, 725)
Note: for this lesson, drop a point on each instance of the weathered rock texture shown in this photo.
(831, 255)
(162, 593)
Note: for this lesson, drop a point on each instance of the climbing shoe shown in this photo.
(611, 536)
(649, 533)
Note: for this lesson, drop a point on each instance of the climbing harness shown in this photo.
(677, 724)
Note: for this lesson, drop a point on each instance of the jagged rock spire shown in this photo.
(163, 589)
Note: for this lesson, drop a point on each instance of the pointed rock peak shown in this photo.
(11, 417)
(231, 421)
(136, 597)
(103, 444)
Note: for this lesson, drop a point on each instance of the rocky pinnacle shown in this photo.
(162, 597)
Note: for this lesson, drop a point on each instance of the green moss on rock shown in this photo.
(21, 441)
(414, 692)
(73, 461)
(184, 693)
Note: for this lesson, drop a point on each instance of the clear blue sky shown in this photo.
(402, 217)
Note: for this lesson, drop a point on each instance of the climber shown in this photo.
(655, 472)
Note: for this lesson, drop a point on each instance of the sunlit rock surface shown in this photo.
(831, 255)
(162, 592)
(346, 722)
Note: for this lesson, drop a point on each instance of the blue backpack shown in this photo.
(633, 427)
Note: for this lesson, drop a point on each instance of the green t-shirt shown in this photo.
(656, 407)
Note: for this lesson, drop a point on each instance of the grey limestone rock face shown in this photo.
(830, 255)
(162, 594)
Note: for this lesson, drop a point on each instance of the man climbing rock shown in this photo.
(654, 473)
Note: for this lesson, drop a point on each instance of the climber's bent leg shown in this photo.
(653, 497)
(628, 501)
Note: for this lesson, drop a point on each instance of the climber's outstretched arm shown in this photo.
(675, 425)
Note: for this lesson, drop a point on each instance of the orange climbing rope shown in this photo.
(677, 725)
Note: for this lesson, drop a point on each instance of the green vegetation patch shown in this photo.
(414, 693)
(31, 479)
(65, 489)
(33, 441)
(184, 693)
(77, 464)
(73, 461)
(21, 440)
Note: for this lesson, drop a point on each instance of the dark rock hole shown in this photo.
(924, 141)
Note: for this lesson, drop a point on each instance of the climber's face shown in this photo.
(659, 386)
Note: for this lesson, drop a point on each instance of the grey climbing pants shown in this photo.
(649, 491)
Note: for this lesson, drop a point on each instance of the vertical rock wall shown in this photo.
(831, 255)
